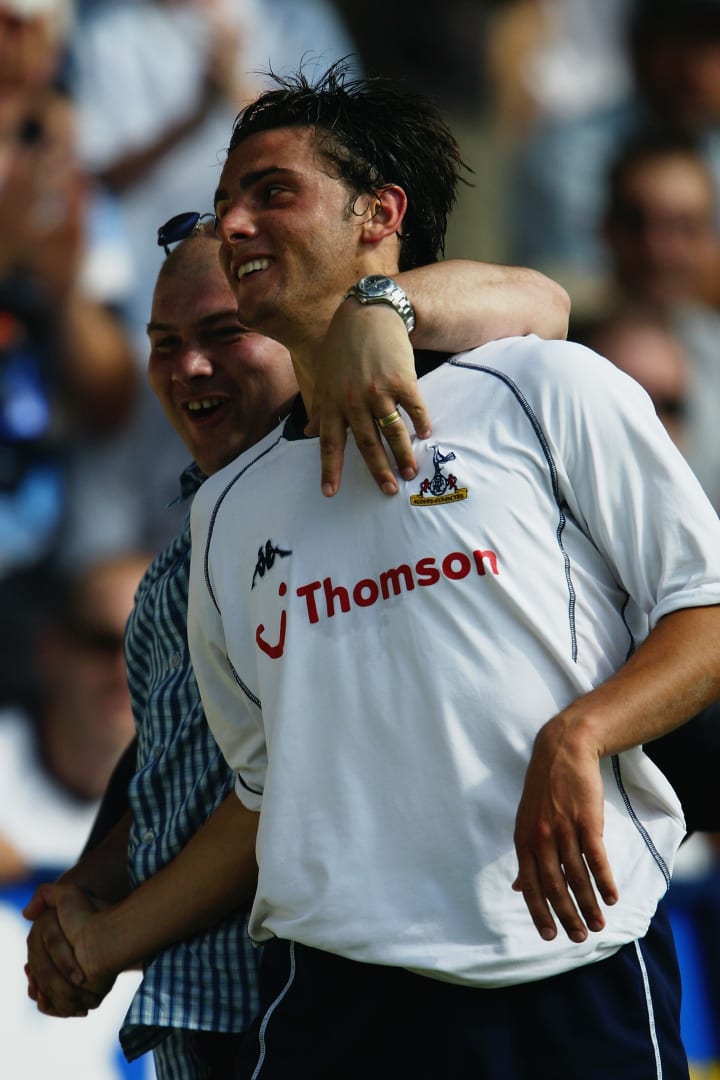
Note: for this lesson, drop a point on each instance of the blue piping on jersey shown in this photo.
(252, 790)
(540, 436)
(245, 689)
(660, 862)
(213, 516)
(631, 646)
(206, 563)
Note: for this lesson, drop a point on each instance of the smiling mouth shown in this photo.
(251, 267)
(204, 407)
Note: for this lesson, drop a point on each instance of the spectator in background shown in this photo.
(659, 221)
(643, 344)
(56, 760)
(662, 242)
(67, 371)
(558, 171)
(555, 59)
(46, 200)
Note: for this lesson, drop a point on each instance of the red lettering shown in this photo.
(453, 560)
(391, 579)
(427, 572)
(273, 651)
(481, 556)
(306, 592)
(332, 594)
(366, 592)
(455, 566)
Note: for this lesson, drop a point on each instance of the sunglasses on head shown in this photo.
(180, 227)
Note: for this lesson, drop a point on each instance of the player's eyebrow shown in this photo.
(247, 180)
(154, 326)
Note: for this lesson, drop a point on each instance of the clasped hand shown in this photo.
(56, 965)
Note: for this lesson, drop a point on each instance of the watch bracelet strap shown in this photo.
(398, 300)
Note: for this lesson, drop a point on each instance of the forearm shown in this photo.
(212, 876)
(460, 304)
(114, 802)
(102, 870)
(673, 675)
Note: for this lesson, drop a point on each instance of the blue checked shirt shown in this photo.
(207, 982)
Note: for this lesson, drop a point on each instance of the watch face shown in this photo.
(377, 285)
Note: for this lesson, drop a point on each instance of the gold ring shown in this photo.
(391, 418)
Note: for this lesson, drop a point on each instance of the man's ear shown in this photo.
(385, 213)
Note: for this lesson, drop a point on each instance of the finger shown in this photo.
(333, 439)
(42, 898)
(63, 959)
(49, 1007)
(580, 884)
(527, 882)
(50, 954)
(32, 984)
(555, 888)
(374, 452)
(398, 439)
(599, 866)
(545, 889)
(413, 404)
(44, 1004)
(65, 999)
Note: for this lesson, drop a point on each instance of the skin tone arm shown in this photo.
(459, 304)
(559, 825)
(214, 874)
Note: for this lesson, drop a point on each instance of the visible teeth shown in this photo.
(206, 403)
(248, 267)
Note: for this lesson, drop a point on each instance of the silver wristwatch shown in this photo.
(379, 289)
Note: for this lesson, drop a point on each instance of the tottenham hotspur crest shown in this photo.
(441, 487)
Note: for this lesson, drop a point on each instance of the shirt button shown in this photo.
(149, 835)
(176, 660)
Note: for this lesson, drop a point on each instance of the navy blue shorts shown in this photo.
(323, 1017)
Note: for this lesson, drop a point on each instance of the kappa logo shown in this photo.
(266, 559)
(440, 487)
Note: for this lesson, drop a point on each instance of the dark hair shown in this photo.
(651, 145)
(668, 20)
(374, 133)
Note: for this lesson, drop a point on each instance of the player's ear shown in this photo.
(384, 213)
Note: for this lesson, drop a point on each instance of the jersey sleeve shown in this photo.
(627, 484)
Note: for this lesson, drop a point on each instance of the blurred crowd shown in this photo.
(593, 129)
